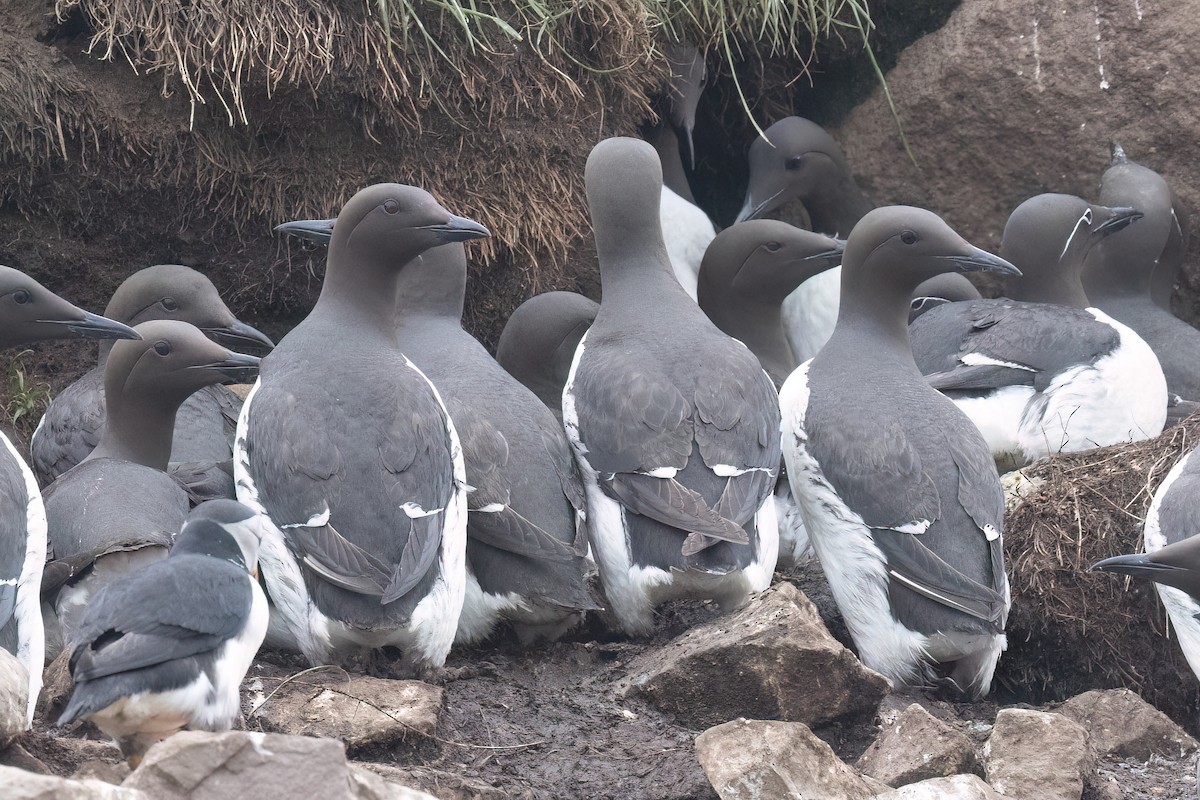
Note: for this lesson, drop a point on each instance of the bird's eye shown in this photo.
(163, 348)
(794, 162)
(391, 206)
(908, 237)
(773, 247)
(21, 297)
(169, 304)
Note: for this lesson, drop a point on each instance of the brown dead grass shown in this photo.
(1073, 630)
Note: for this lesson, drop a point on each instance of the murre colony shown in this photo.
(388, 490)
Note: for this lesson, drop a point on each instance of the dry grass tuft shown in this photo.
(1072, 630)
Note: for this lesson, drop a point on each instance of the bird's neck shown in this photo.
(1059, 288)
(759, 326)
(838, 208)
(879, 319)
(666, 142)
(430, 288)
(365, 294)
(137, 430)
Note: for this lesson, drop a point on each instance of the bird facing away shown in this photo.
(203, 441)
(347, 447)
(1172, 557)
(939, 290)
(1043, 372)
(29, 312)
(1118, 273)
(526, 531)
(897, 487)
(747, 272)
(675, 427)
(167, 647)
(117, 510)
(538, 342)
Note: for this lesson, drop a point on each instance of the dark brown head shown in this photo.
(29, 312)
(388, 224)
(795, 159)
(173, 291)
(764, 260)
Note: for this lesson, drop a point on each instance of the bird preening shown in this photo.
(382, 490)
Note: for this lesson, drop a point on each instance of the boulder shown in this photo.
(444, 785)
(14, 696)
(954, 787)
(1120, 723)
(766, 760)
(1035, 755)
(236, 765)
(100, 770)
(361, 711)
(17, 784)
(17, 756)
(914, 746)
(369, 786)
(773, 659)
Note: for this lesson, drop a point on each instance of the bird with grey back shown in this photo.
(1044, 372)
(1119, 272)
(526, 527)
(348, 448)
(29, 312)
(203, 440)
(678, 455)
(538, 342)
(167, 647)
(897, 487)
(116, 511)
(797, 159)
(1172, 557)
(939, 290)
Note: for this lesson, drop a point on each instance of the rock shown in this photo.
(387, 712)
(96, 769)
(954, 787)
(21, 785)
(14, 696)
(237, 765)
(766, 760)
(444, 785)
(369, 786)
(1035, 755)
(17, 756)
(56, 688)
(773, 659)
(1120, 723)
(914, 746)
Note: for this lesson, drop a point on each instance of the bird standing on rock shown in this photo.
(29, 312)
(897, 487)
(202, 444)
(674, 425)
(117, 510)
(167, 647)
(347, 447)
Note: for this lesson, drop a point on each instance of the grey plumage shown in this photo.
(538, 342)
(636, 414)
(347, 447)
(203, 441)
(167, 646)
(897, 488)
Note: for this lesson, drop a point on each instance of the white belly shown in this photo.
(687, 232)
(810, 313)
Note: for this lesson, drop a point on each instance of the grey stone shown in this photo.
(17, 756)
(362, 711)
(914, 746)
(17, 784)
(1120, 723)
(237, 765)
(773, 659)
(954, 787)
(369, 786)
(14, 696)
(766, 760)
(444, 785)
(100, 770)
(1035, 755)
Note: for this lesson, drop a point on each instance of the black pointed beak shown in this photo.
(981, 261)
(752, 210)
(830, 258)
(684, 133)
(1138, 565)
(1120, 219)
(237, 367)
(239, 333)
(458, 229)
(94, 326)
(312, 230)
